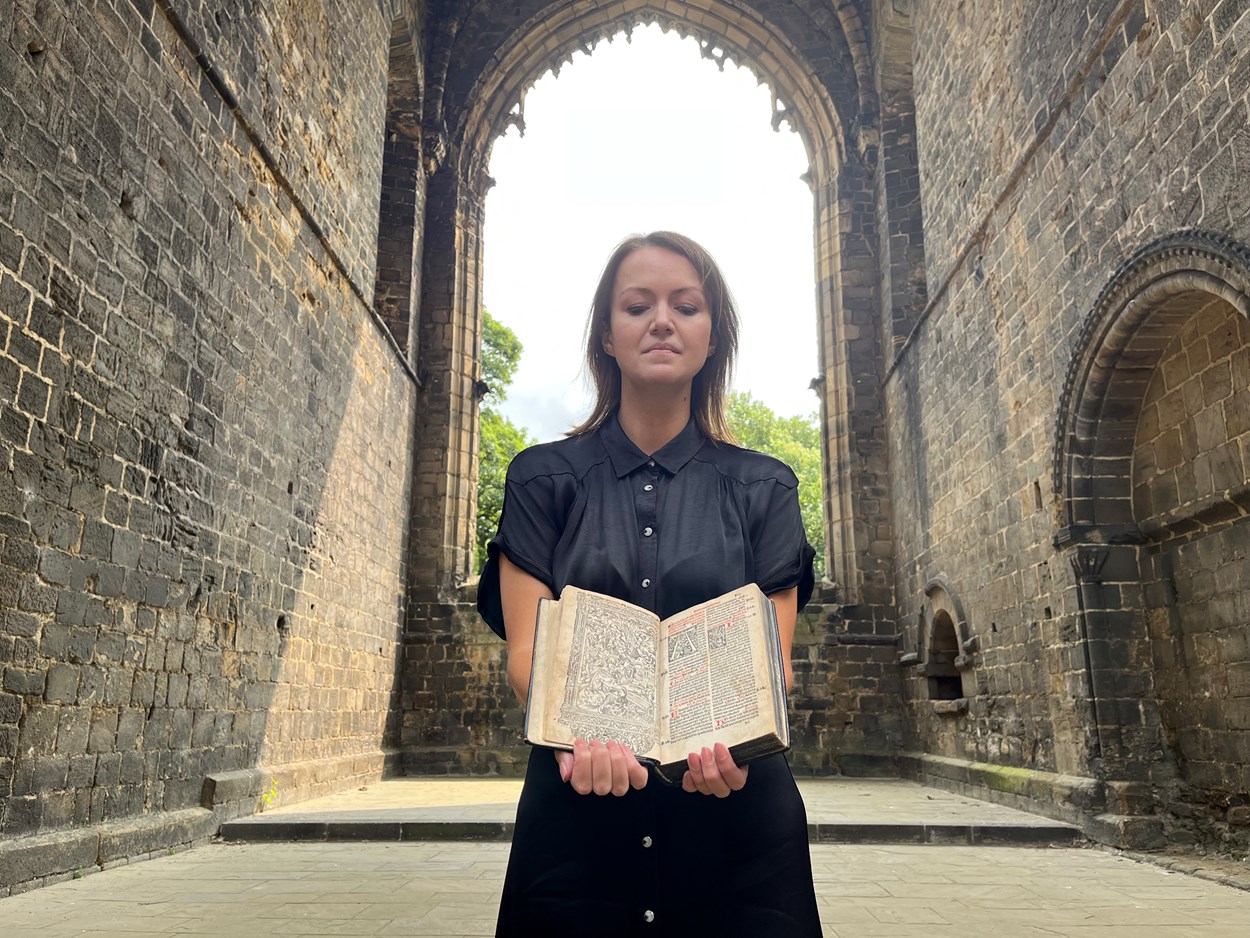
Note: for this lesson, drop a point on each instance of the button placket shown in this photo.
(646, 501)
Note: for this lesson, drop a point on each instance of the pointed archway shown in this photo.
(478, 72)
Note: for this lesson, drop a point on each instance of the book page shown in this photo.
(603, 682)
(716, 673)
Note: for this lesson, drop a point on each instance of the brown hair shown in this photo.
(707, 392)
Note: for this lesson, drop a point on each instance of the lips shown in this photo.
(660, 348)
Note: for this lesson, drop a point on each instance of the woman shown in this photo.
(648, 501)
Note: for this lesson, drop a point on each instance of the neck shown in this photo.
(650, 421)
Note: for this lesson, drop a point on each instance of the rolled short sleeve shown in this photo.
(530, 526)
(782, 556)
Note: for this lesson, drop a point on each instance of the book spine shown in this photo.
(529, 691)
(779, 685)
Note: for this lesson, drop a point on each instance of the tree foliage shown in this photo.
(796, 442)
(501, 355)
(500, 439)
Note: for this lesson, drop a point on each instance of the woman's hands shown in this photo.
(713, 772)
(603, 768)
(612, 769)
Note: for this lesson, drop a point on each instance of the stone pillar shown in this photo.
(1112, 686)
(857, 497)
(450, 336)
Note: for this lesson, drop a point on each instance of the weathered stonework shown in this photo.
(1030, 209)
(240, 275)
(205, 433)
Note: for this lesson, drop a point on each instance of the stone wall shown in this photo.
(205, 432)
(460, 716)
(1195, 414)
(1052, 146)
(1191, 449)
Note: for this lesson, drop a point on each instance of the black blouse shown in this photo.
(690, 522)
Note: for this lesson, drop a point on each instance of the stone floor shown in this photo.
(449, 888)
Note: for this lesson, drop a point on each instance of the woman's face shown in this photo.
(660, 330)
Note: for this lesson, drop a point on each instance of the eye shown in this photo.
(635, 309)
(687, 309)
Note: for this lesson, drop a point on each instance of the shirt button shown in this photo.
(648, 916)
(647, 841)
(647, 532)
(646, 583)
(648, 487)
(651, 464)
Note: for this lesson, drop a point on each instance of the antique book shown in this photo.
(607, 669)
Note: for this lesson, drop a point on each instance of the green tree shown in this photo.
(796, 442)
(501, 355)
(500, 438)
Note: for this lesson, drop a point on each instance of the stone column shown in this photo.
(1113, 686)
(451, 313)
(859, 534)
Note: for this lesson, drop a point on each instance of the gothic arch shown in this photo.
(800, 100)
(477, 75)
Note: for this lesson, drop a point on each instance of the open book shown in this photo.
(607, 669)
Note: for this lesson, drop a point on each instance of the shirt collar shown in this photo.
(626, 457)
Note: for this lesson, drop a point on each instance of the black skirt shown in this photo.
(659, 861)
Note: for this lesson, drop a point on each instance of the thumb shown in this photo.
(564, 762)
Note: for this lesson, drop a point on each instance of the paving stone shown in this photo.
(429, 889)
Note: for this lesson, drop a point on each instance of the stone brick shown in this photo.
(62, 684)
(26, 859)
(24, 681)
(103, 732)
(10, 708)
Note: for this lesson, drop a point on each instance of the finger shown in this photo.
(687, 782)
(714, 784)
(694, 772)
(564, 761)
(735, 776)
(620, 771)
(600, 768)
(580, 777)
(637, 771)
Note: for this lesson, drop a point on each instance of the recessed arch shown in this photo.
(1135, 563)
(945, 641)
(1122, 340)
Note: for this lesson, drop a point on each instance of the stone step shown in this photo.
(839, 811)
(257, 830)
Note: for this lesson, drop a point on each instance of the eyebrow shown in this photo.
(649, 292)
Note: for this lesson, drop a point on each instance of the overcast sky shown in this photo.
(640, 136)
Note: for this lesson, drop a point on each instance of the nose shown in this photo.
(662, 321)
